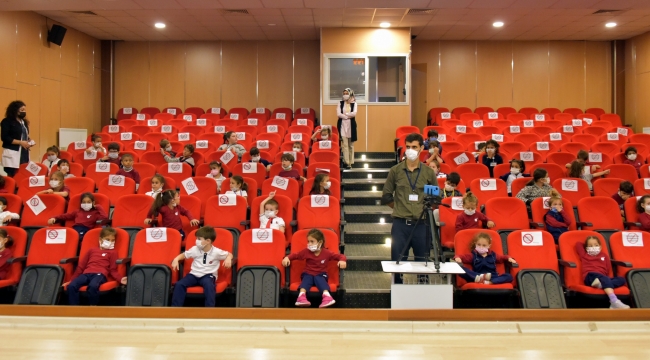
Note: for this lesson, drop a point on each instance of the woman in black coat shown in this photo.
(347, 126)
(14, 131)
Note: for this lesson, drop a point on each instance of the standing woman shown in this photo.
(14, 131)
(347, 126)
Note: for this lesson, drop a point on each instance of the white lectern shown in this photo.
(437, 294)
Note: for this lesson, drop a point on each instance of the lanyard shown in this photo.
(416, 178)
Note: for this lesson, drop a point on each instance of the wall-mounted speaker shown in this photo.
(56, 34)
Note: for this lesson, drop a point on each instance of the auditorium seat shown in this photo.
(297, 267)
(606, 220)
(224, 241)
(509, 214)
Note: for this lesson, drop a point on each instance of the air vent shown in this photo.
(83, 13)
(236, 12)
(421, 11)
(607, 12)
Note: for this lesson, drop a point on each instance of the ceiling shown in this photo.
(133, 20)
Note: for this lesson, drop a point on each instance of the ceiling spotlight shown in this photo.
(160, 25)
(610, 24)
(498, 24)
(384, 25)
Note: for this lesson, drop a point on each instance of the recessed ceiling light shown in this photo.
(610, 24)
(384, 25)
(160, 25)
(498, 24)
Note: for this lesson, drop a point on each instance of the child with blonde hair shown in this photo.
(556, 219)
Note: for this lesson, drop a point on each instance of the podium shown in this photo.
(436, 294)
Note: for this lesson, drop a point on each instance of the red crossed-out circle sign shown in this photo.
(140, 145)
(612, 136)
(34, 202)
(263, 144)
(190, 185)
(156, 233)
(273, 128)
(227, 155)
(498, 137)
(568, 184)
(297, 136)
(52, 234)
(176, 167)
(117, 179)
(528, 238)
(632, 238)
(281, 181)
(595, 157)
(526, 156)
(33, 180)
(263, 234)
(647, 183)
(485, 183)
(223, 199)
(240, 136)
(555, 136)
(547, 203)
(543, 146)
(221, 128)
(102, 166)
(459, 202)
(203, 143)
(247, 166)
(182, 136)
(320, 199)
(81, 144)
(34, 167)
(167, 128)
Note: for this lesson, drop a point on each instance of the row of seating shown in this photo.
(441, 113)
(202, 125)
(279, 113)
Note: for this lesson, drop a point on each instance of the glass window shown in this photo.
(386, 79)
(347, 73)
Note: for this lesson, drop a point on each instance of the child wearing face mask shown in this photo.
(297, 146)
(321, 185)
(643, 207)
(5, 215)
(491, 158)
(94, 269)
(556, 220)
(127, 170)
(453, 179)
(187, 158)
(157, 185)
(315, 274)
(269, 218)
(85, 218)
(434, 151)
(230, 143)
(6, 242)
(631, 159)
(469, 218)
(64, 167)
(216, 173)
(517, 168)
(432, 136)
(256, 157)
(167, 147)
(238, 187)
(325, 134)
(287, 168)
(435, 165)
(596, 267)
(113, 155)
(52, 157)
(577, 170)
(483, 262)
(205, 266)
(97, 145)
(57, 186)
(625, 191)
(168, 205)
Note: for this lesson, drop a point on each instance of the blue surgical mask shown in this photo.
(433, 138)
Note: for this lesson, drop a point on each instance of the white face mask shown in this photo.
(647, 208)
(234, 188)
(86, 206)
(324, 137)
(547, 180)
(198, 244)
(411, 154)
(632, 157)
(593, 250)
(269, 213)
(214, 172)
(286, 168)
(54, 183)
(470, 212)
(168, 148)
(108, 245)
(98, 144)
(514, 171)
(327, 185)
(312, 248)
(51, 158)
(490, 151)
(113, 155)
(297, 149)
(64, 168)
(346, 97)
(256, 158)
(430, 150)
(127, 168)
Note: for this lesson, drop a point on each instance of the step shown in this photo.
(368, 214)
(376, 282)
(366, 257)
(367, 233)
(373, 163)
(363, 197)
(374, 155)
(365, 173)
(363, 184)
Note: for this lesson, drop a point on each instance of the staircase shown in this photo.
(367, 233)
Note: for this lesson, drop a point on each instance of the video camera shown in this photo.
(432, 196)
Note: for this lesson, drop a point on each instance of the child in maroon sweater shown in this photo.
(167, 205)
(85, 218)
(470, 217)
(94, 268)
(596, 267)
(315, 274)
(631, 159)
(5, 253)
(643, 207)
(625, 190)
(483, 261)
(113, 155)
(127, 170)
(287, 168)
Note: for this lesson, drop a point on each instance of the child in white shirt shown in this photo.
(238, 187)
(216, 173)
(97, 145)
(157, 184)
(52, 158)
(6, 216)
(269, 214)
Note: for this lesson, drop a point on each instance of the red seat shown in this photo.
(448, 216)
(227, 211)
(223, 241)
(528, 111)
(252, 170)
(607, 218)
(126, 112)
(54, 206)
(131, 210)
(530, 158)
(14, 271)
(614, 138)
(151, 111)
(262, 252)
(299, 243)
(292, 191)
(204, 188)
(544, 148)
(282, 113)
(622, 171)
(469, 171)
(483, 110)
(85, 159)
(193, 206)
(325, 156)
(455, 158)
(75, 169)
(145, 185)
(630, 247)
(469, 139)
(80, 185)
(506, 110)
(527, 138)
(30, 186)
(642, 187)
(29, 169)
(319, 211)
(462, 241)
(573, 147)
(557, 138)
(538, 257)
(508, 213)
(560, 158)
(121, 247)
(145, 169)
(100, 170)
(461, 110)
(540, 206)
(516, 117)
(157, 252)
(564, 117)
(42, 251)
(216, 111)
(609, 148)
(116, 186)
(573, 111)
(169, 171)
(481, 187)
(332, 169)
(606, 186)
(614, 119)
(554, 171)
(631, 213)
(75, 203)
(572, 189)
(252, 191)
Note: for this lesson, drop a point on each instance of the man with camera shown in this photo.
(404, 192)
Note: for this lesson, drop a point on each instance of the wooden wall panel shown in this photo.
(30, 32)
(458, 73)
(51, 62)
(365, 40)
(306, 75)
(599, 75)
(167, 74)
(642, 53)
(31, 96)
(567, 84)
(531, 74)
(494, 74)
(427, 52)
(275, 66)
(383, 132)
(239, 82)
(131, 71)
(86, 54)
(642, 103)
(7, 46)
(6, 96)
(203, 74)
(85, 99)
(70, 53)
(70, 106)
(630, 82)
(50, 112)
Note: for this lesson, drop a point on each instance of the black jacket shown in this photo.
(11, 130)
(353, 122)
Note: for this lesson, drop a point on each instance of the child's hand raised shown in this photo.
(458, 260)
(490, 224)
(286, 262)
(512, 260)
(271, 194)
(123, 281)
(194, 222)
(342, 264)
(51, 221)
(162, 151)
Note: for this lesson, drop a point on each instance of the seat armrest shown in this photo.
(123, 261)
(69, 260)
(342, 201)
(293, 223)
(629, 224)
(17, 259)
(514, 265)
(245, 223)
(569, 264)
(441, 223)
(583, 223)
(622, 263)
(536, 225)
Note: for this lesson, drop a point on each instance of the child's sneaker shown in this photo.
(327, 301)
(596, 284)
(302, 300)
(618, 304)
(479, 278)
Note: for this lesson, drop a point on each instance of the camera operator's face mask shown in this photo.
(412, 154)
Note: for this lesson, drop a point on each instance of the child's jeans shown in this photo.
(605, 281)
(82, 230)
(207, 282)
(320, 281)
(93, 281)
(470, 275)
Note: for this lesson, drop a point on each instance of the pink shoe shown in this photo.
(302, 300)
(327, 301)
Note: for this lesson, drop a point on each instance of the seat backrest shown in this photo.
(80, 185)
(573, 276)
(464, 238)
(540, 206)
(609, 148)
(601, 211)
(530, 158)
(630, 246)
(641, 187)
(455, 158)
(54, 206)
(264, 247)
(533, 249)
(49, 245)
(115, 187)
(145, 170)
(622, 171)
(202, 188)
(325, 156)
(332, 169)
(507, 213)
(614, 119)
(319, 211)
(157, 246)
(29, 169)
(560, 158)
(486, 189)
(19, 237)
(150, 110)
(253, 170)
(573, 147)
(276, 183)
(470, 171)
(176, 171)
(226, 211)
(572, 189)
(526, 138)
(448, 217)
(99, 171)
(131, 210)
(606, 187)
